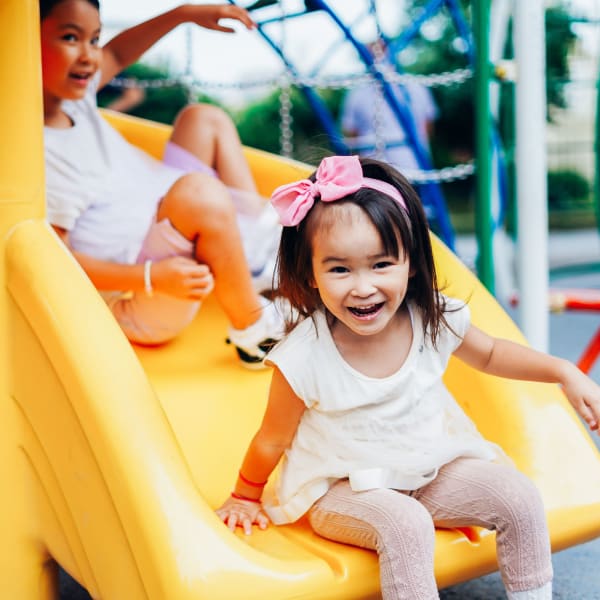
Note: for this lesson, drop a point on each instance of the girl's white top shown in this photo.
(392, 432)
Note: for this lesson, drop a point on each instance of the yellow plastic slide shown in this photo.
(113, 458)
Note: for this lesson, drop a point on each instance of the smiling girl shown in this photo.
(377, 451)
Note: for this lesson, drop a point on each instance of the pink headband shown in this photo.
(336, 177)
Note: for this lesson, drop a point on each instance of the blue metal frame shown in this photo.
(430, 193)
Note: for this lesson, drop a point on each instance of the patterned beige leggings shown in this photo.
(400, 526)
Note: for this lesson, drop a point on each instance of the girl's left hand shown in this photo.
(209, 15)
(584, 394)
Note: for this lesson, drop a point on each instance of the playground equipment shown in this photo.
(484, 49)
(580, 300)
(383, 73)
(114, 457)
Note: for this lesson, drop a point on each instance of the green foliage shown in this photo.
(559, 41)
(567, 189)
(161, 103)
(454, 136)
(259, 125)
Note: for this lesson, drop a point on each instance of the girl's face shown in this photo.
(360, 285)
(70, 50)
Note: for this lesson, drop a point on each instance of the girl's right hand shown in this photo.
(182, 277)
(242, 513)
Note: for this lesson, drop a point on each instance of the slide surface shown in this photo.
(131, 448)
(113, 457)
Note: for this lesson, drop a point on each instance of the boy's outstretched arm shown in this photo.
(504, 358)
(126, 47)
(277, 430)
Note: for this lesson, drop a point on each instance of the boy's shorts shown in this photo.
(159, 318)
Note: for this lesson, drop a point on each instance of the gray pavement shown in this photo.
(577, 570)
(565, 248)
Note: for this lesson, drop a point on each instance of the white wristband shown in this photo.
(148, 279)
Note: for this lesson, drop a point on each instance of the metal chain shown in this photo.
(445, 175)
(286, 132)
(188, 80)
(285, 83)
(379, 99)
(444, 79)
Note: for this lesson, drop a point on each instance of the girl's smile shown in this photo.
(366, 312)
(359, 283)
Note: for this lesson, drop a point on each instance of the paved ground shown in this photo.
(577, 570)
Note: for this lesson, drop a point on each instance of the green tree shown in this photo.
(259, 125)
(160, 103)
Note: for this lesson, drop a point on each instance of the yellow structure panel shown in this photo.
(113, 457)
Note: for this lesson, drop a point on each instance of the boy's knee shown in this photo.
(197, 197)
(203, 115)
(204, 191)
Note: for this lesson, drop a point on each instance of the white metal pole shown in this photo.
(499, 21)
(532, 207)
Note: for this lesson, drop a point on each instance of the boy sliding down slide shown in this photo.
(154, 237)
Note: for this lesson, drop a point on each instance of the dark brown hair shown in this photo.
(401, 231)
(46, 6)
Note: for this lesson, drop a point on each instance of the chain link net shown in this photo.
(444, 79)
(285, 82)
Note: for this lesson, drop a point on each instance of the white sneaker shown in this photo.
(254, 342)
(263, 279)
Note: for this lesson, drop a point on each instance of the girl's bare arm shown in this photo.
(505, 358)
(280, 422)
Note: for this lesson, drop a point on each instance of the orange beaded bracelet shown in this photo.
(251, 483)
(240, 497)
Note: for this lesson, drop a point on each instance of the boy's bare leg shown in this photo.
(207, 132)
(200, 208)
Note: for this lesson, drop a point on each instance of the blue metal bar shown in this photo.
(430, 192)
(462, 27)
(329, 52)
(314, 100)
(413, 29)
(279, 18)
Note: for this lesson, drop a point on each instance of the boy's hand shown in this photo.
(182, 277)
(242, 513)
(584, 394)
(209, 15)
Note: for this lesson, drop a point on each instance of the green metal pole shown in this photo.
(483, 145)
(597, 155)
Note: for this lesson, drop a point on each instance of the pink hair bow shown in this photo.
(336, 178)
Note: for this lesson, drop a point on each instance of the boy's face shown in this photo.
(70, 49)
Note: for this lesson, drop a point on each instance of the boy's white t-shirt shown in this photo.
(99, 187)
(392, 432)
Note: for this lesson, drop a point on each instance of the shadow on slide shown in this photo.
(124, 452)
